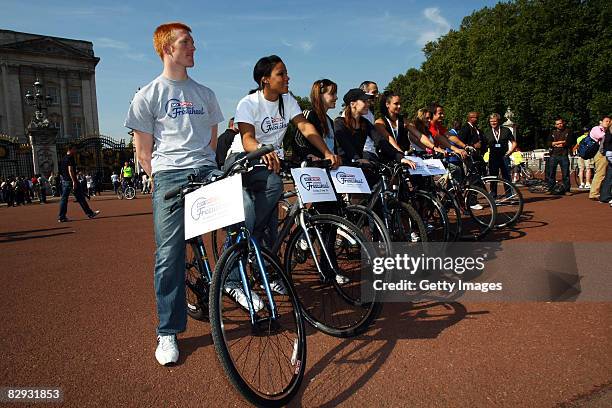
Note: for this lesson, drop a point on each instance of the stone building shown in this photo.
(67, 70)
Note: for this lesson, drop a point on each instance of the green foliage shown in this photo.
(541, 58)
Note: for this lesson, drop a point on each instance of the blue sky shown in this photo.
(345, 41)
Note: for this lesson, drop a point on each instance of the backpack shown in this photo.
(587, 148)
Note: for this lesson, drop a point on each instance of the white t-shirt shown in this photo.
(270, 126)
(180, 116)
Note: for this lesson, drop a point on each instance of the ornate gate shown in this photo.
(98, 155)
(15, 158)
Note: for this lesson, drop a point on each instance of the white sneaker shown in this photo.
(581, 186)
(414, 237)
(277, 286)
(587, 186)
(235, 290)
(167, 350)
(476, 207)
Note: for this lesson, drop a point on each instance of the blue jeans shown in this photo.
(169, 275)
(261, 194)
(78, 194)
(563, 161)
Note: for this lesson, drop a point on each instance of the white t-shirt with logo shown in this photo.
(270, 126)
(179, 115)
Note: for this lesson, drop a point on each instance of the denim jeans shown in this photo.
(169, 274)
(563, 161)
(263, 189)
(78, 194)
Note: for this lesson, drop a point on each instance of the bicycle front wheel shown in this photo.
(406, 224)
(326, 270)
(479, 213)
(265, 358)
(508, 200)
(130, 193)
(434, 216)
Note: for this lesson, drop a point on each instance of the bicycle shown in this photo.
(476, 205)
(125, 190)
(270, 326)
(322, 256)
(509, 204)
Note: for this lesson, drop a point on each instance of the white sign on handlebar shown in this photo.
(350, 180)
(313, 184)
(214, 206)
(429, 167)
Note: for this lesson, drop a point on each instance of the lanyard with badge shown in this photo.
(394, 130)
(497, 135)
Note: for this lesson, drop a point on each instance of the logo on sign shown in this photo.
(313, 183)
(203, 206)
(271, 124)
(175, 107)
(344, 178)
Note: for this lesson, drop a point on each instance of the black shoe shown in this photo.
(63, 220)
(94, 214)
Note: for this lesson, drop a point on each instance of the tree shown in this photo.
(541, 58)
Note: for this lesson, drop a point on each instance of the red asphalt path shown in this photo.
(78, 312)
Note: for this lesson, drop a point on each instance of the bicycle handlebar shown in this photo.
(256, 154)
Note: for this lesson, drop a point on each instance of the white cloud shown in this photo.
(399, 30)
(304, 45)
(440, 26)
(104, 42)
(123, 48)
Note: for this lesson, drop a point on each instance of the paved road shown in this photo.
(77, 309)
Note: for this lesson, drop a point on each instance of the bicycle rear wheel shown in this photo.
(509, 203)
(196, 289)
(265, 360)
(330, 295)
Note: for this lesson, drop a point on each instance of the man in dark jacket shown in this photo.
(224, 141)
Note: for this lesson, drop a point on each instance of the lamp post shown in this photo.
(42, 136)
(40, 102)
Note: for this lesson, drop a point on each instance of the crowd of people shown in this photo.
(15, 191)
(594, 175)
(175, 123)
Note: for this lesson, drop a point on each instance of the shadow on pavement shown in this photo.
(16, 236)
(351, 364)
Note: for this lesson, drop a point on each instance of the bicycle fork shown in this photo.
(252, 244)
(306, 229)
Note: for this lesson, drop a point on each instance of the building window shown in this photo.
(74, 96)
(53, 92)
(76, 128)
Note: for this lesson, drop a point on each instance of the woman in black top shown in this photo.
(323, 96)
(402, 133)
(353, 129)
